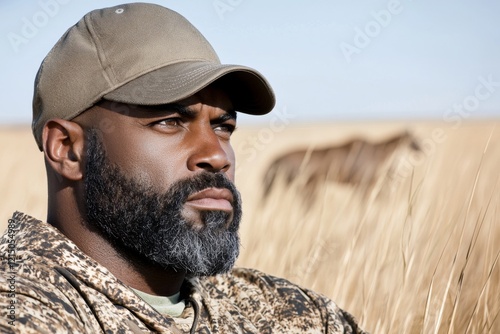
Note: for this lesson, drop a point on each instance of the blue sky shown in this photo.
(326, 59)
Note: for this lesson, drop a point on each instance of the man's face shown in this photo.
(158, 182)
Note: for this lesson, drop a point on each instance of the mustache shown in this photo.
(193, 184)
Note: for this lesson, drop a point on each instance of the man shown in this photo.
(134, 114)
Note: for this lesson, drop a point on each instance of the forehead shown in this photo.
(210, 96)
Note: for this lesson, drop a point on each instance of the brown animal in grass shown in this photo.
(357, 162)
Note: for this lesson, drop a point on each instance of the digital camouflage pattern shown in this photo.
(48, 285)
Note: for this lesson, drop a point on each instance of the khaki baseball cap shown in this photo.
(141, 54)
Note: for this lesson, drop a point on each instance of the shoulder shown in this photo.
(289, 304)
(34, 304)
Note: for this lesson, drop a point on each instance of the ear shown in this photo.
(64, 144)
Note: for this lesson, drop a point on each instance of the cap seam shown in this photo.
(101, 56)
(202, 71)
(152, 69)
(207, 67)
(187, 77)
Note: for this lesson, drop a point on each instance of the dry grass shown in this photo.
(418, 255)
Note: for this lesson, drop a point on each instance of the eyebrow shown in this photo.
(228, 115)
(189, 113)
(178, 108)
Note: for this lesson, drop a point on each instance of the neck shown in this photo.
(132, 271)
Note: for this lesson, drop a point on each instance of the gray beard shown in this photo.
(148, 226)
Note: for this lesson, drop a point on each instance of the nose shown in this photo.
(209, 154)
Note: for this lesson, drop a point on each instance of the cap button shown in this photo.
(119, 11)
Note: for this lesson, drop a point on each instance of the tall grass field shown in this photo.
(415, 251)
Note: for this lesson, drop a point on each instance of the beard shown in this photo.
(146, 225)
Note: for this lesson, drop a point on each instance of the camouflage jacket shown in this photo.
(48, 285)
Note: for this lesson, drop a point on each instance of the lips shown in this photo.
(220, 199)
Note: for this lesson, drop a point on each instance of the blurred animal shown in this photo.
(357, 162)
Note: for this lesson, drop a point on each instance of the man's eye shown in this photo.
(225, 129)
(168, 122)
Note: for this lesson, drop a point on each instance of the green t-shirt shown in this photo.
(170, 305)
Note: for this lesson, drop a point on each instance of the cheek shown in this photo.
(159, 168)
(148, 162)
(232, 158)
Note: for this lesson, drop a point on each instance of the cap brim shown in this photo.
(248, 90)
